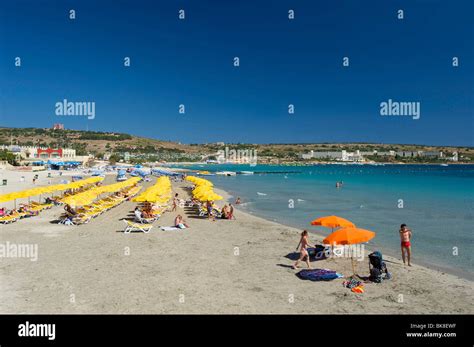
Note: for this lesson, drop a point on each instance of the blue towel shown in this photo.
(318, 275)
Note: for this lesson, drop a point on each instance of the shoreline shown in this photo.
(387, 253)
(319, 163)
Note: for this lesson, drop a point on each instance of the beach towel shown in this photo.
(359, 289)
(169, 228)
(352, 283)
(318, 275)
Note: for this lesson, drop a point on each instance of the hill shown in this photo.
(100, 143)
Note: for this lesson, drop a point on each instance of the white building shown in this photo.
(333, 155)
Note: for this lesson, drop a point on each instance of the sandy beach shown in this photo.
(239, 266)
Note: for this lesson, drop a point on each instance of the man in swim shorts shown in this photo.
(405, 236)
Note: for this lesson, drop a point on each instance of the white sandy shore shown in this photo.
(95, 268)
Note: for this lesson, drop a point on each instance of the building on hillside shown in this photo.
(58, 126)
(37, 154)
(433, 154)
(358, 156)
(333, 155)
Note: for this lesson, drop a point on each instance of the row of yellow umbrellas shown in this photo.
(48, 189)
(203, 190)
(160, 192)
(88, 196)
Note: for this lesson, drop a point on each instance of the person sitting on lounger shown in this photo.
(25, 209)
(138, 213)
(179, 222)
(303, 250)
(147, 212)
(70, 210)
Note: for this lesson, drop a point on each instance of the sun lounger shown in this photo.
(130, 226)
(7, 219)
(81, 219)
(144, 220)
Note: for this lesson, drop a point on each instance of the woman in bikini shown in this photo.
(303, 249)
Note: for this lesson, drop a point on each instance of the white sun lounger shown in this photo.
(130, 226)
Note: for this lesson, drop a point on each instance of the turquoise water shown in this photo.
(437, 203)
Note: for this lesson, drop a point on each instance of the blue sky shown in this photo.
(283, 62)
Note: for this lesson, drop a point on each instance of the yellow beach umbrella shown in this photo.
(210, 197)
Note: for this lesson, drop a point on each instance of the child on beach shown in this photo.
(231, 212)
(210, 214)
(225, 212)
(405, 235)
(179, 222)
(175, 202)
(303, 250)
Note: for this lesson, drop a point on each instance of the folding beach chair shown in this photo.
(142, 220)
(81, 219)
(7, 219)
(130, 226)
(202, 211)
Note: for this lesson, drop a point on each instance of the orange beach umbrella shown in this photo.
(333, 222)
(349, 236)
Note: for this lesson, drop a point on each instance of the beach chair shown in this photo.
(7, 219)
(74, 219)
(81, 219)
(130, 226)
(19, 215)
(202, 211)
(145, 220)
(216, 212)
(41, 207)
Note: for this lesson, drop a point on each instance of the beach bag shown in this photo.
(375, 275)
(317, 252)
(376, 260)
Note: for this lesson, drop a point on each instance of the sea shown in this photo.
(436, 202)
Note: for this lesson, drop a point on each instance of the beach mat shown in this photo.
(318, 275)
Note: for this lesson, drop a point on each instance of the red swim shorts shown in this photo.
(406, 244)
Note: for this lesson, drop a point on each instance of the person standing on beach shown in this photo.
(405, 236)
(303, 250)
(210, 214)
(175, 202)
